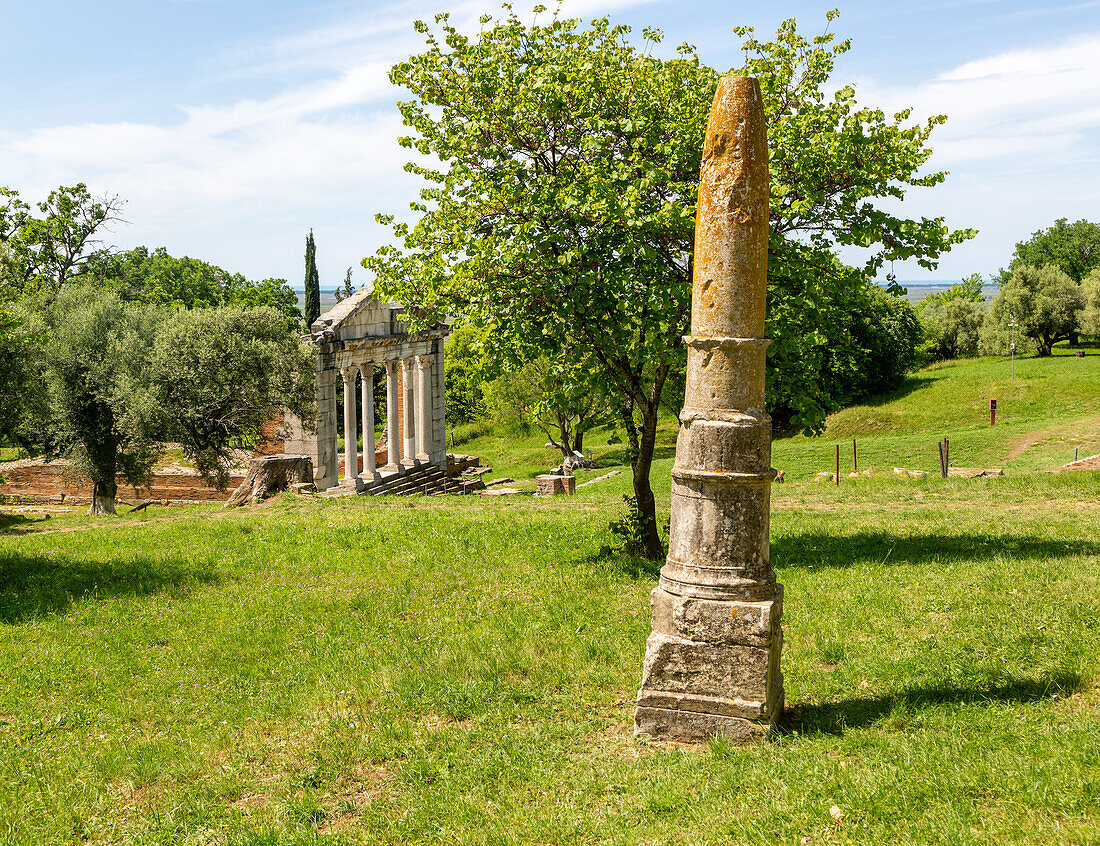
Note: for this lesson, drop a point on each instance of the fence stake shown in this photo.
(855, 463)
(838, 464)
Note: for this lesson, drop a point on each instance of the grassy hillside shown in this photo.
(462, 670)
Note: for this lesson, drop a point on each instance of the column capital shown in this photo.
(423, 361)
(349, 373)
(391, 365)
(407, 364)
(367, 369)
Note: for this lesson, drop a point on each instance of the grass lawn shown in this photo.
(463, 669)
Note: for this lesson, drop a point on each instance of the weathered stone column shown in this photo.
(335, 433)
(366, 373)
(439, 413)
(712, 660)
(408, 408)
(393, 446)
(423, 406)
(351, 453)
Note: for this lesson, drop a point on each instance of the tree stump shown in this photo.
(270, 474)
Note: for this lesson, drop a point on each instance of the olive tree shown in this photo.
(952, 319)
(1045, 304)
(120, 378)
(1089, 321)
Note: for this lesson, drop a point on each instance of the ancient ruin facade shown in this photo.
(352, 340)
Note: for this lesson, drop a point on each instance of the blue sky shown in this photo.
(231, 127)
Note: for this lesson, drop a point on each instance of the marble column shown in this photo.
(423, 406)
(393, 444)
(408, 407)
(439, 404)
(366, 373)
(351, 453)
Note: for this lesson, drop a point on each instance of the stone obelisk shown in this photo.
(712, 660)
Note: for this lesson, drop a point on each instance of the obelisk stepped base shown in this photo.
(711, 666)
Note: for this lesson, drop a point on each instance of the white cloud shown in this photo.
(240, 182)
(1020, 143)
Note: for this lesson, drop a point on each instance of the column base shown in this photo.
(711, 666)
(696, 727)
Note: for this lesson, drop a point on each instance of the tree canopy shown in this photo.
(156, 277)
(61, 244)
(559, 210)
(1074, 248)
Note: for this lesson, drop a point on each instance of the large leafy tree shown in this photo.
(561, 210)
(1072, 247)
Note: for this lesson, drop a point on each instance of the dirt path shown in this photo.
(1022, 444)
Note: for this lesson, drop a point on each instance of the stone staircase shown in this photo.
(427, 481)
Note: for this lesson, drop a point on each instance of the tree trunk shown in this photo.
(269, 474)
(626, 414)
(103, 499)
(653, 549)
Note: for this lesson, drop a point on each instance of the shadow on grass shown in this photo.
(19, 524)
(815, 550)
(818, 550)
(36, 586)
(837, 717)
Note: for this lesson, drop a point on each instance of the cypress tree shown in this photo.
(313, 282)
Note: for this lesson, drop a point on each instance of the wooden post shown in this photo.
(943, 467)
(855, 463)
(946, 457)
(993, 412)
(838, 464)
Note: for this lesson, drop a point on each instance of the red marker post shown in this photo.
(993, 412)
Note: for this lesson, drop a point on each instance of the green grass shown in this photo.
(1051, 407)
(463, 670)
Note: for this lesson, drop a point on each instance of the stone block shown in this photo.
(715, 677)
(549, 484)
(715, 621)
(692, 727)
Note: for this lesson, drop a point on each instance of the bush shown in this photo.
(952, 320)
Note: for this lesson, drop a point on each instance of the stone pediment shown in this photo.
(357, 317)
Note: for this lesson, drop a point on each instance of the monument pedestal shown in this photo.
(711, 666)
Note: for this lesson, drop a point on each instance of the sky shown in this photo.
(230, 128)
